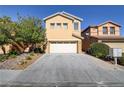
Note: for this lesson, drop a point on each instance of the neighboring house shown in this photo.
(63, 32)
(107, 32)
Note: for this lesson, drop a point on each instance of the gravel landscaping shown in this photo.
(20, 62)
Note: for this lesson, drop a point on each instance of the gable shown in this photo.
(109, 23)
(59, 18)
(64, 14)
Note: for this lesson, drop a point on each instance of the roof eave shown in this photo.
(63, 14)
(80, 19)
(110, 22)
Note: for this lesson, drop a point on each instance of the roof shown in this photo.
(91, 26)
(107, 38)
(109, 21)
(77, 36)
(65, 14)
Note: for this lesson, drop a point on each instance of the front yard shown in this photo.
(18, 62)
(21, 41)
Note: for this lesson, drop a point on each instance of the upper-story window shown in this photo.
(52, 25)
(105, 30)
(76, 26)
(58, 25)
(65, 25)
(112, 30)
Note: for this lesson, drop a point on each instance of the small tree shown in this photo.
(4, 31)
(30, 32)
(27, 31)
(99, 50)
(3, 41)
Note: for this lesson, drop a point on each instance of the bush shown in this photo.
(13, 56)
(13, 52)
(99, 50)
(3, 57)
(121, 60)
(38, 50)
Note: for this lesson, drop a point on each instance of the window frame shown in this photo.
(66, 25)
(105, 33)
(76, 25)
(52, 26)
(60, 25)
(111, 32)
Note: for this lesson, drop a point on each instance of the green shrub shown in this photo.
(28, 58)
(38, 50)
(121, 60)
(13, 56)
(99, 50)
(3, 58)
(13, 52)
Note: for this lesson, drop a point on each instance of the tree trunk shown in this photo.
(20, 49)
(22, 45)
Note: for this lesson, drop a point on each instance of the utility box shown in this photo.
(115, 52)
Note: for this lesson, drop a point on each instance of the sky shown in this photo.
(91, 15)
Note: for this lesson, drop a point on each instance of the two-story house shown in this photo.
(107, 32)
(63, 31)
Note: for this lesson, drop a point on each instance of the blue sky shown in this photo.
(92, 15)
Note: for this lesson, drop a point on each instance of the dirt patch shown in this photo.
(20, 62)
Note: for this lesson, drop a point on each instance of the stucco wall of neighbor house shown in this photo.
(117, 30)
(115, 45)
(99, 32)
(93, 31)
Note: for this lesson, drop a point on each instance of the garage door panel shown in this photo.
(63, 48)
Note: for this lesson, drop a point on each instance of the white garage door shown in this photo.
(63, 48)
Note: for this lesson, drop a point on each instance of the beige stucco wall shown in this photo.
(117, 30)
(115, 45)
(61, 34)
(79, 45)
(98, 31)
(93, 32)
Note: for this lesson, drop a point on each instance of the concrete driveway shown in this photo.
(68, 70)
